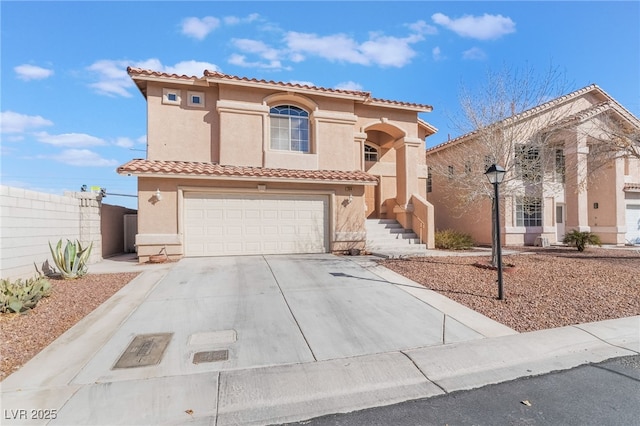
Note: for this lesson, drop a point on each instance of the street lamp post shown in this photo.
(495, 174)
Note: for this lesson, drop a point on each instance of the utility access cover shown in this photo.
(210, 356)
(144, 350)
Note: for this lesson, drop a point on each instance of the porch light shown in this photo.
(495, 174)
(158, 195)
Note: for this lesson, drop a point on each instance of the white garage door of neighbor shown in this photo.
(633, 223)
(229, 224)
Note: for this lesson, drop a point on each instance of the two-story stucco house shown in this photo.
(246, 166)
(568, 184)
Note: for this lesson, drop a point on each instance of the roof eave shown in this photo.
(247, 178)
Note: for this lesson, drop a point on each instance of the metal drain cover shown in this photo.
(211, 356)
(144, 350)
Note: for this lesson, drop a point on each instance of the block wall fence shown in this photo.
(29, 220)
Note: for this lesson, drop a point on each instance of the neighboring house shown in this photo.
(573, 189)
(245, 166)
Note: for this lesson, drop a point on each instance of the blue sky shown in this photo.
(71, 115)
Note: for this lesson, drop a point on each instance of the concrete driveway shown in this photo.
(270, 310)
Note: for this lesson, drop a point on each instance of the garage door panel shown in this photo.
(227, 224)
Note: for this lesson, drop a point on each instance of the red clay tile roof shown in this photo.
(209, 170)
(363, 95)
(141, 71)
(222, 76)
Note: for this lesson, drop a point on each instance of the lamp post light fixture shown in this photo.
(495, 174)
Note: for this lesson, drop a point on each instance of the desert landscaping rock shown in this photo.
(548, 287)
(24, 335)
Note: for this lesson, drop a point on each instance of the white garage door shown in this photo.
(228, 224)
(633, 223)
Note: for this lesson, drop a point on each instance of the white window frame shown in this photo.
(528, 212)
(373, 151)
(191, 95)
(165, 96)
(289, 119)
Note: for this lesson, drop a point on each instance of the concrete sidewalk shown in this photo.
(304, 335)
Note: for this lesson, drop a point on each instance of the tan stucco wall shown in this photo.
(179, 132)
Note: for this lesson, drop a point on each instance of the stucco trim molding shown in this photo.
(334, 117)
(244, 107)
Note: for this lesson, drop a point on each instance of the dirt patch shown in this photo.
(547, 288)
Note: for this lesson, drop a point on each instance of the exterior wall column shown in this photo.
(407, 159)
(90, 232)
(576, 152)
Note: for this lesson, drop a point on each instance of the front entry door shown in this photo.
(560, 222)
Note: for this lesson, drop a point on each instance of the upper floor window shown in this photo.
(528, 163)
(195, 99)
(170, 96)
(370, 153)
(560, 166)
(289, 128)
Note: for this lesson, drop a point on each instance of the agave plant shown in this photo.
(21, 296)
(72, 260)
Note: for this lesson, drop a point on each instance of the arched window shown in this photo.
(289, 128)
(370, 153)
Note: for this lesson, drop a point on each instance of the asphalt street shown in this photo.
(607, 393)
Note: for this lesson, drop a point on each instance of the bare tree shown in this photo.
(504, 122)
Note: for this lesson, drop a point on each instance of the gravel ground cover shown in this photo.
(24, 335)
(547, 287)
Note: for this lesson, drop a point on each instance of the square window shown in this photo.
(195, 99)
(171, 96)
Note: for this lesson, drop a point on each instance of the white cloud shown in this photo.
(421, 27)
(13, 122)
(337, 47)
(124, 142)
(72, 140)
(437, 54)
(389, 51)
(377, 50)
(234, 20)
(241, 61)
(199, 28)
(28, 72)
(83, 158)
(474, 54)
(485, 27)
(113, 79)
(349, 85)
(142, 139)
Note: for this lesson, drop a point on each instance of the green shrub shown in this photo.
(72, 261)
(21, 296)
(580, 239)
(453, 240)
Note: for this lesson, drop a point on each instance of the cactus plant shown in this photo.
(72, 260)
(22, 296)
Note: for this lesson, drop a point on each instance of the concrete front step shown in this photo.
(389, 235)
